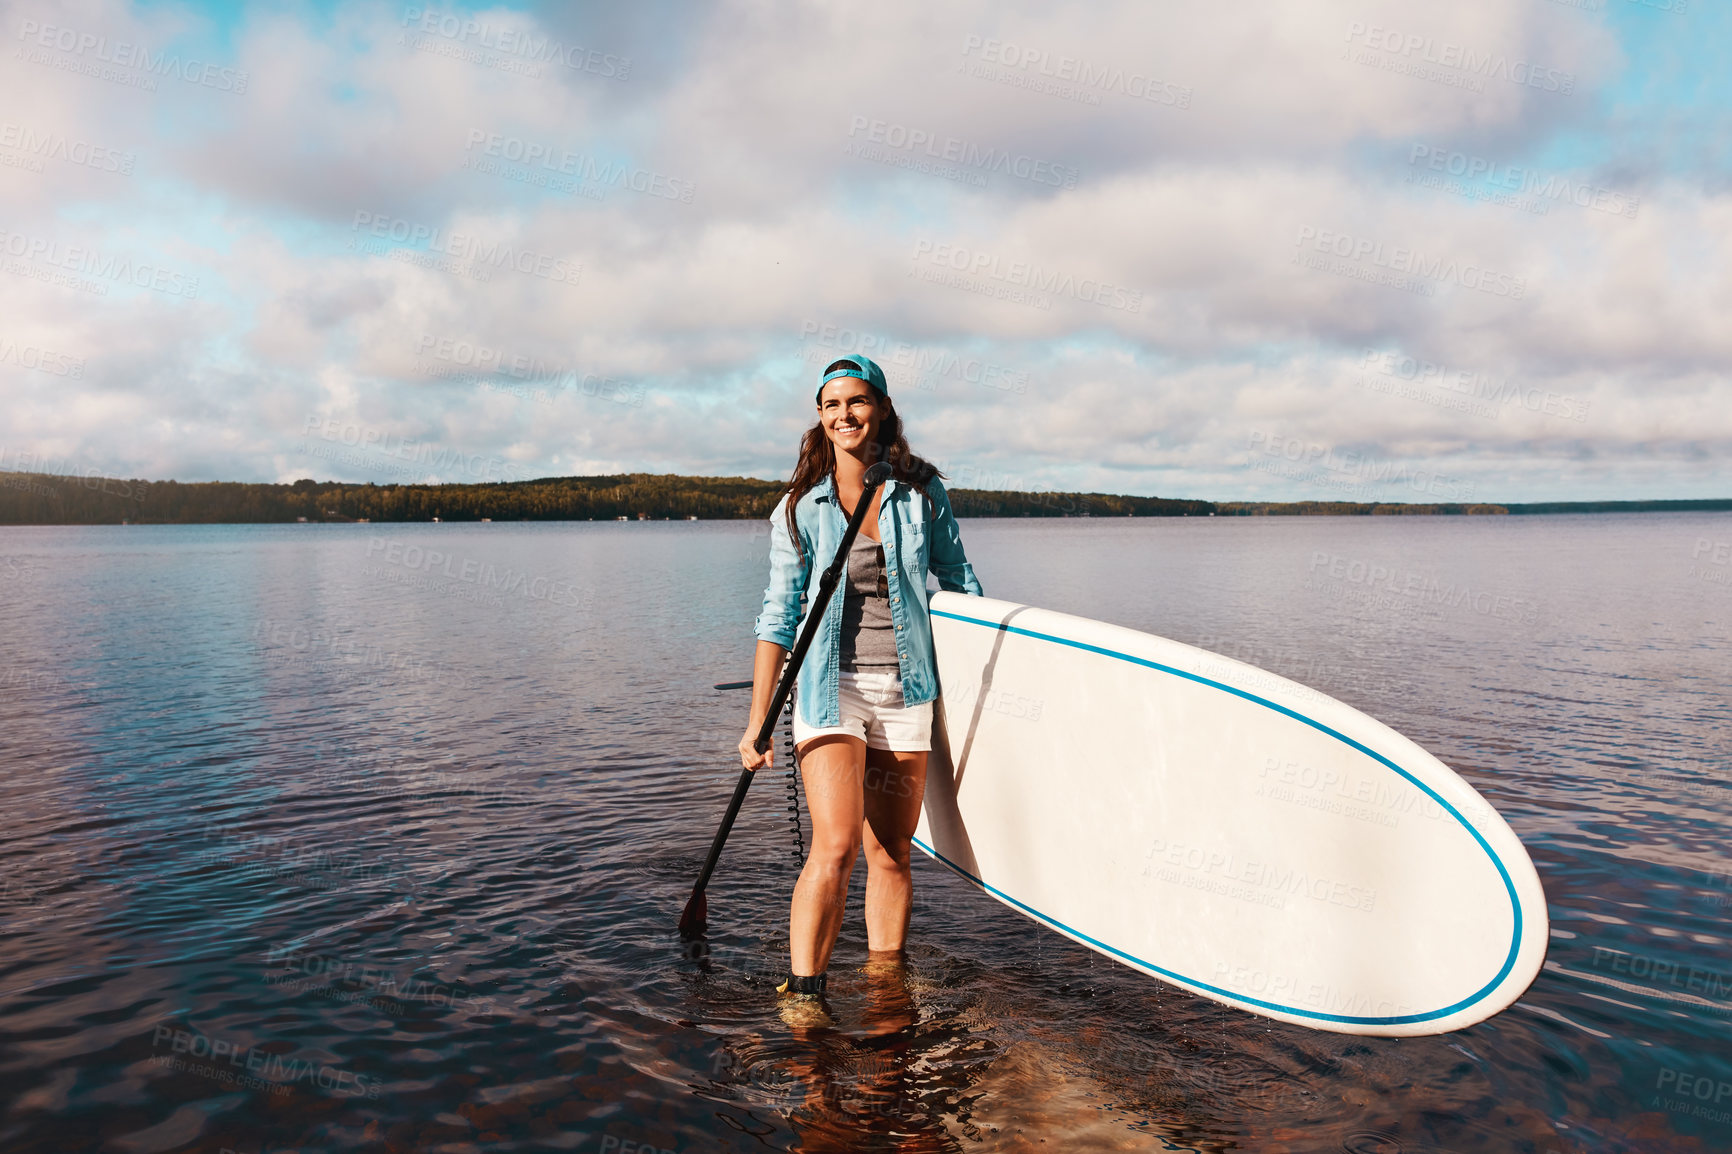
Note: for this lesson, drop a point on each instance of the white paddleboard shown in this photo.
(1221, 828)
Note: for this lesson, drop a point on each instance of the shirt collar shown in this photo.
(825, 490)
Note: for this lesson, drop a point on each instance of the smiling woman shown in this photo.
(863, 724)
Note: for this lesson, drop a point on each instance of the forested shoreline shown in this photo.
(59, 499)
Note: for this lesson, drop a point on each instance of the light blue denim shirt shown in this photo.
(917, 539)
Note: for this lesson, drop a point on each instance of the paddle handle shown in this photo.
(727, 826)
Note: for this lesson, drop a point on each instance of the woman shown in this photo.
(863, 721)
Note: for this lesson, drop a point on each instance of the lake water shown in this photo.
(333, 837)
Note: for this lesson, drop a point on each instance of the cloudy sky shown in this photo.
(1477, 251)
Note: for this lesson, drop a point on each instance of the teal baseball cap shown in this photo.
(861, 366)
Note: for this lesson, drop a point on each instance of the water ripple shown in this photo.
(305, 852)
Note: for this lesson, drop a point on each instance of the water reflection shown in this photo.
(258, 796)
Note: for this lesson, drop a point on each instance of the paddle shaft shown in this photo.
(875, 476)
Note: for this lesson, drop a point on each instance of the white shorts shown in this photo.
(872, 710)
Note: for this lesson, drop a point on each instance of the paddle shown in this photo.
(697, 913)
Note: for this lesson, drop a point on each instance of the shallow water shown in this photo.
(316, 842)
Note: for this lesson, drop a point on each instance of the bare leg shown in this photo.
(894, 786)
(831, 767)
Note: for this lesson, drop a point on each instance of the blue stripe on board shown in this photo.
(1345, 1019)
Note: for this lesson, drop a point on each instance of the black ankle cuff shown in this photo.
(813, 984)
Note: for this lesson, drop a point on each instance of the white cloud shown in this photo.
(693, 309)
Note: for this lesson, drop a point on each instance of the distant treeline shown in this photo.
(55, 499)
(1011, 503)
(45, 499)
(1376, 508)
(1346, 509)
(1712, 505)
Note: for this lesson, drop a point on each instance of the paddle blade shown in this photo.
(696, 919)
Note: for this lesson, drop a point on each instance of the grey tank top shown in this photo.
(868, 633)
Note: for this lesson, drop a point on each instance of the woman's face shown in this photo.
(850, 412)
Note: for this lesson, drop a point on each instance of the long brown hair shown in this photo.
(818, 457)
